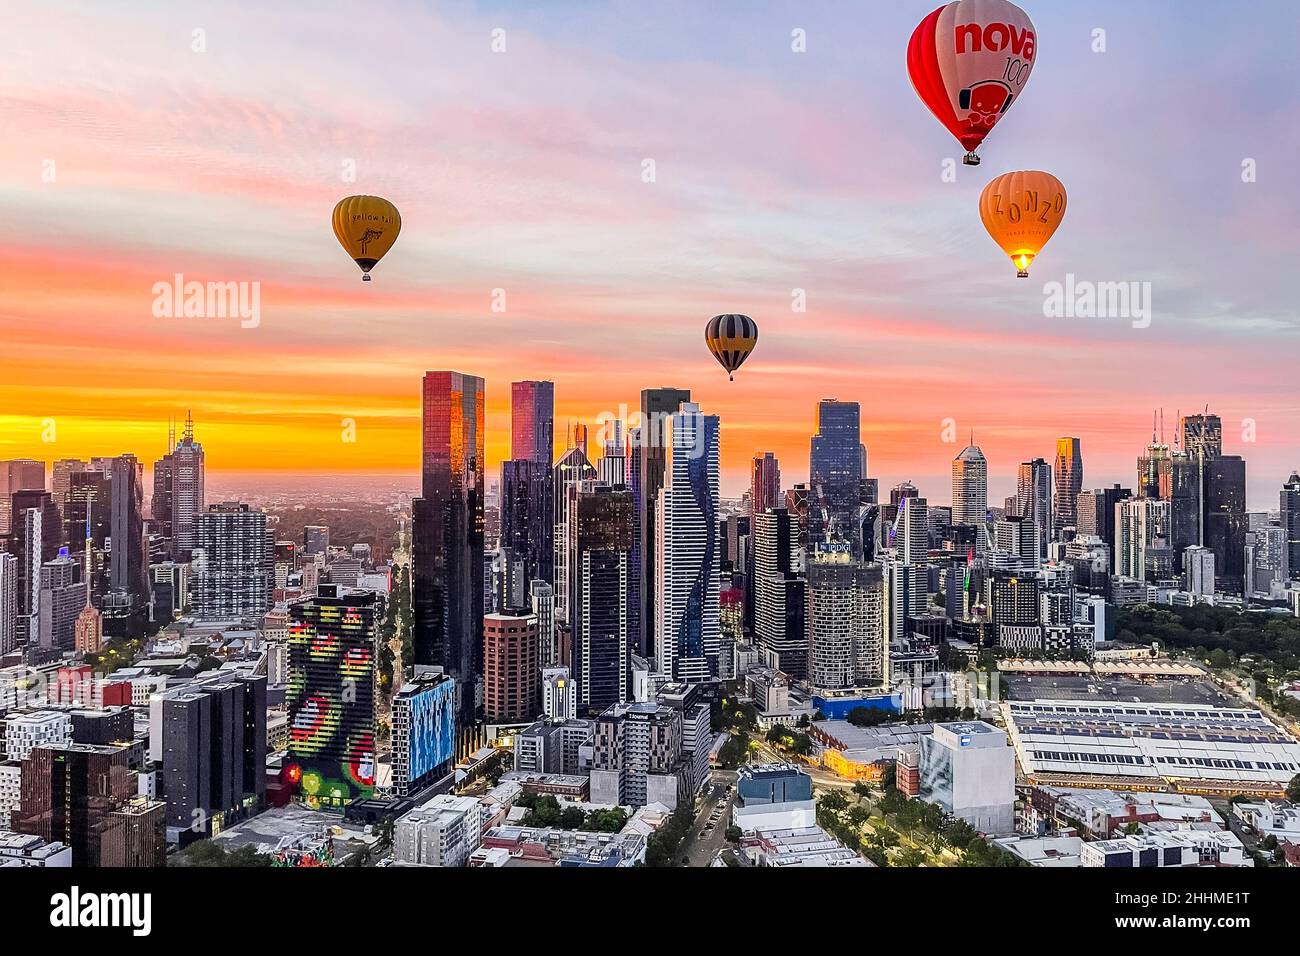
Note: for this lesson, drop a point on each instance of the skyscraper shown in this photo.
(512, 668)
(178, 493)
(846, 623)
(1202, 436)
(1289, 512)
(234, 562)
(33, 540)
(331, 697)
(835, 474)
(686, 556)
(1143, 548)
(1034, 500)
(970, 487)
(129, 556)
(448, 535)
(613, 460)
(527, 525)
(20, 474)
(649, 453)
(1225, 519)
(532, 421)
(1069, 482)
(569, 473)
(600, 562)
(780, 592)
(765, 486)
(8, 602)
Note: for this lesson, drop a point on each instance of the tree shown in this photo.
(1293, 789)
(734, 834)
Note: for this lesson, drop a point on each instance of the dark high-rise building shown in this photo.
(1202, 436)
(331, 697)
(448, 536)
(315, 540)
(1225, 520)
(1289, 512)
(512, 668)
(765, 486)
(86, 796)
(650, 454)
(1096, 512)
(178, 494)
(1069, 482)
(532, 421)
(213, 752)
(780, 593)
(599, 529)
(1034, 500)
(835, 473)
(234, 562)
(527, 538)
(569, 472)
(129, 555)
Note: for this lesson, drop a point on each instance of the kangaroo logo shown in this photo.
(367, 236)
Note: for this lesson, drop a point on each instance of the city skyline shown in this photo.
(542, 196)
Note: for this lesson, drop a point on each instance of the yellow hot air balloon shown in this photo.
(1021, 210)
(366, 227)
(731, 338)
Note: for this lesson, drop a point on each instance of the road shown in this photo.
(700, 851)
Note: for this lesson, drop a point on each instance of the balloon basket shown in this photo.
(971, 159)
(1022, 274)
(366, 277)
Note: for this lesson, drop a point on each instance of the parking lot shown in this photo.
(1154, 691)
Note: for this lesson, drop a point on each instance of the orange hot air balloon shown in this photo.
(1021, 211)
(366, 227)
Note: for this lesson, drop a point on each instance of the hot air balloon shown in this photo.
(969, 61)
(366, 227)
(731, 338)
(1021, 210)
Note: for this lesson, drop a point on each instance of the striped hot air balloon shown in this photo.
(731, 338)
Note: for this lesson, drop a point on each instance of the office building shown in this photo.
(532, 422)
(424, 731)
(86, 797)
(21, 474)
(1289, 512)
(210, 738)
(447, 537)
(969, 769)
(970, 487)
(331, 697)
(1069, 482)
(233, 562)
(129, 555)
(780, 593)
(178, 493)
(765, 486)
(554, 746)
(649, 447)
(527, 544)
(835, 473)
(8, 603)
(1034, 500)
(512, 668)
(559, 694)
(1144, 549)
(315, 540)
(773, 797)
(1225, 519)
(600, 527)
(63, 596)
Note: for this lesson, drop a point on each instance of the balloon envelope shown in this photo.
(731, 337)
(969, 62)
(366, 227)
(1021, 211)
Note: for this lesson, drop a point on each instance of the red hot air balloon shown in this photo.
(969, 62)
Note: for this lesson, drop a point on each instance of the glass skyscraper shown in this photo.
(835, 474)
(1069, 482)
(532, 421)
(448, 535)
(648, 457)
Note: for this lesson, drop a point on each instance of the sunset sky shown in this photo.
(522, 171)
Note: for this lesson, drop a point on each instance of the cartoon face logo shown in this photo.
(987, 101)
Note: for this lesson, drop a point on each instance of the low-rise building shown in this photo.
(773, 797)
(797, 846)
(969, 769)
